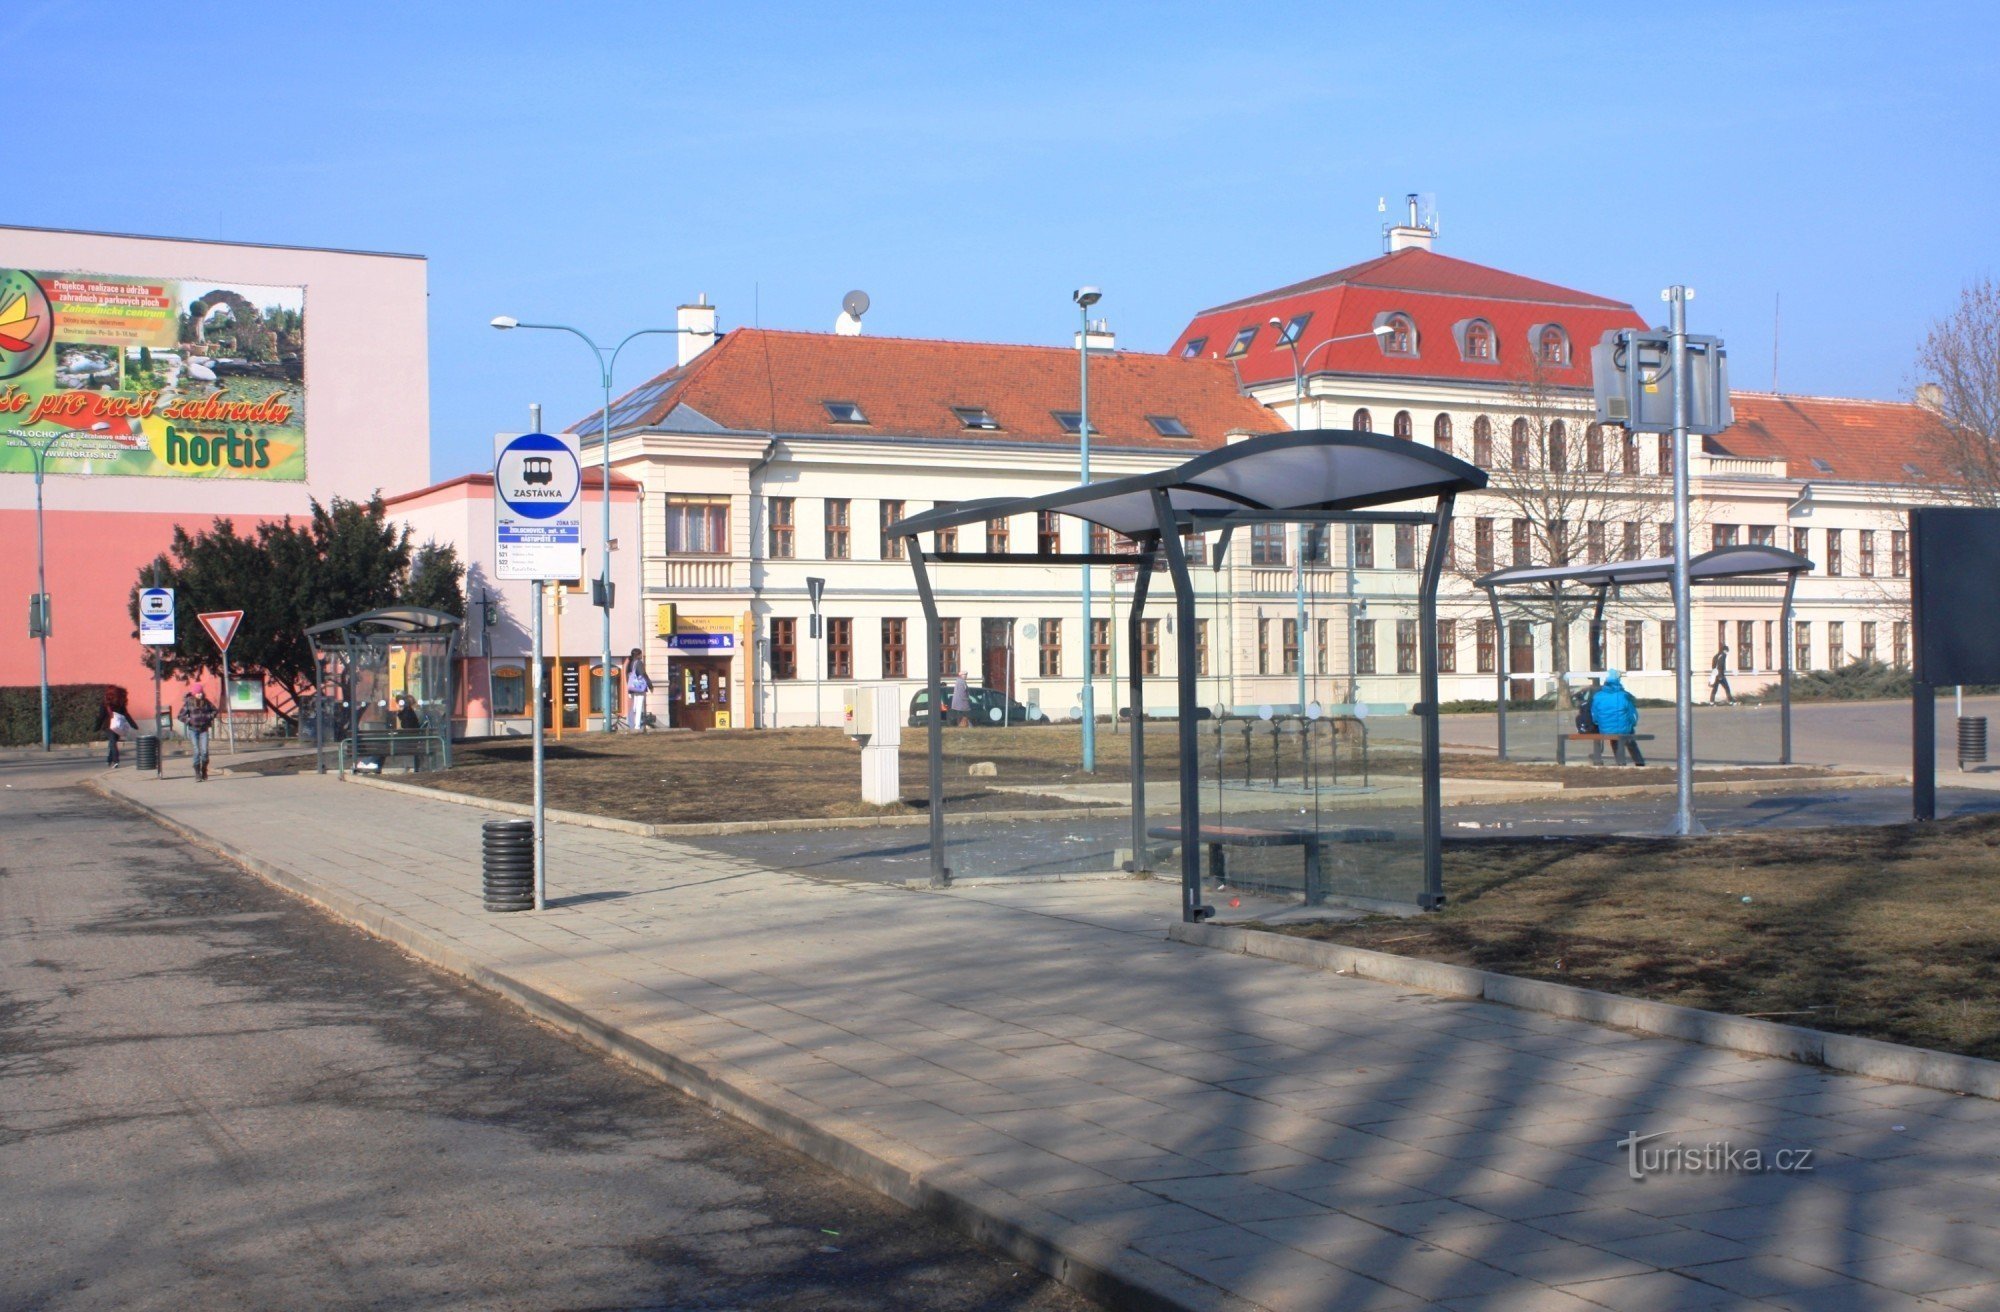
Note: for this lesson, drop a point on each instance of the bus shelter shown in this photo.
(384, 687)
(1304, 824)
(1760, 575)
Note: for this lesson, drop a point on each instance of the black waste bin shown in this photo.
(508, 849)
(146, 752)
(1971, 740)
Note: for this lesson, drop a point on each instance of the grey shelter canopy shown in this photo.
(1316, 476)
(1752, 563)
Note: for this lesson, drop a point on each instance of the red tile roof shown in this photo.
(474, 483)
(1437, 292)
(1859, 441)
(766, 380)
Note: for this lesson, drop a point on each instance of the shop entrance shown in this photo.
(996, 655)
(565, 685)
(698, 693)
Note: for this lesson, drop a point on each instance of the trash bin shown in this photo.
(146, 752)
(1971, 740)
(508, 849)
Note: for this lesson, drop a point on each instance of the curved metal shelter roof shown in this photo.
(1721, 565)
(1311, 473)
(392, 619)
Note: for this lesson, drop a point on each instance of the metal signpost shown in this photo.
(156, 629)
(815, 589)
(222, 626)
(538, 536)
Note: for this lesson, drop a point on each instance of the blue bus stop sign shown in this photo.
(537, 523)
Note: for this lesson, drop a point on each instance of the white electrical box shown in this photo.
(874, 717)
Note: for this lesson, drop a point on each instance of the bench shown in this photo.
(1217, 837)
(388, 744)
(1597, 741)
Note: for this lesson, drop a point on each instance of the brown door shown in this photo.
(701, 691)
(996, 671)
(562, 694)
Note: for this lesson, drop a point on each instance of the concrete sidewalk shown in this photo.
(1163, 1125)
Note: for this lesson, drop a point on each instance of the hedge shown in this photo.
(72, 713)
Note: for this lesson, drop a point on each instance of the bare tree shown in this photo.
(1959, 365)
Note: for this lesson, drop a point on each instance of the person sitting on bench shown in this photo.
(1614, 712)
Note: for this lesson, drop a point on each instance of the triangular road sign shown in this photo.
(221, 626)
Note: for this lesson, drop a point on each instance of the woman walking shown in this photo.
(114, 722)
(637, 685)
(198, 717)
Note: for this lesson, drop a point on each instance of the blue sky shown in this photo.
(598, 163)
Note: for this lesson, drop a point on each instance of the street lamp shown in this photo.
(40, 449)
(606, 363)
(1085, 297)
(1291, 344)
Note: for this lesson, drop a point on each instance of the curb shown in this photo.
(719, 828)
(1874, 1058)
(1113, 1275)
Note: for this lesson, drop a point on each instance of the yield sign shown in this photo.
(221, 626)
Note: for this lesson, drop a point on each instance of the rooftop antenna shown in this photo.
(852, 307)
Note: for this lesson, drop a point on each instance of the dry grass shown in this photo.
(1891, 933)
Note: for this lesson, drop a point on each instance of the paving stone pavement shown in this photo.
(1209, 1129)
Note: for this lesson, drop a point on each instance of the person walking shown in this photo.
(1614, 711)
(114, 722)
(637, 685)
(197, 718)
(1719, 680)
(961, 702)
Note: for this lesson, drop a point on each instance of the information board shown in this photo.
(537, 520)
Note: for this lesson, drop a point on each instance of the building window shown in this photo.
(1289, 653)
(1635, 645)
(1482, 442)
(1316, 544)
(1363, 421)
(1868, 640)
(784, 648)
(1802, 645)
(1593, 449)
(844, 412)
(1404, 426)
(510, 690)
(1478, 341)
(1746, 646)
(1193, 347)
(1482, 545)
(1629, 544)
(945, 539)
(1070, 421)
(1801, 540)
(1593, 542)
(1263, 645)
(1836, 644)
(1628, 446)
(1833, 565)
(1553, 346)
(1364, 546)
(1048, 533)
(1244, 336)
(1520, 647)
(1149, 646)
(837, 544)
(1899, 553)
(895, 649)
(1168, 426)
(1100, 645)
(1364, 646)
(1051, 648)
(998, 535)
(1267, 545)
(1406, 546)
(1769, 630)
(1447, 646)
(1483, 646)
(1100, 540)
(1666, 540)
(1669, 645)
(1763, 535)
(976, 417)
(892, 514)
(1523, 551)
(1596, 641)
(1899, 634)
(1725, 535)
(1294, 327)
(1558, 444)
(1865, 541)
(1401, 339)
(1666, 454)
(839, 649)
(1406, 646)
(784, 516)
(1201, 647)
(1322, 654)
(698, 526)
(949, 659)
(1517, 445)
(1441, 433)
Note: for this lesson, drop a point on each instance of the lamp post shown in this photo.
(1085, 297)
(607, 362)
(41, 609)
(1298, 416)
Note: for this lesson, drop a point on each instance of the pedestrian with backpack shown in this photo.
(637, 685)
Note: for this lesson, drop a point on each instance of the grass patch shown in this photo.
(1889, 933)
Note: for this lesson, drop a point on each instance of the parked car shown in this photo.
(990, 707)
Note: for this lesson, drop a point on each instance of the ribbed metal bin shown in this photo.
(1971, 740)
(146, 752)
(508, 852)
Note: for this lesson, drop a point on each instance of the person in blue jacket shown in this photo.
(1615, 712)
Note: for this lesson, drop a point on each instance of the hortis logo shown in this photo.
(26, 323)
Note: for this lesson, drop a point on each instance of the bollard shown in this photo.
(146, 752)
(508, 848)
(1971, 739)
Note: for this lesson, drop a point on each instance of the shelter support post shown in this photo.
(1135, 664)
(1785, 672)
(1600, 656)
(1192, 909)
(934, 728)
(1500, 668)
(1427, 665)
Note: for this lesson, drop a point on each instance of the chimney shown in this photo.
(1100, 337)
(1412, 233)
(697, 325)
(1931, 397)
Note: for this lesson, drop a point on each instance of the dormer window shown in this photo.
(1363, 421)
(1475, 341)
(1168, 426)
(1821, 465)
(1552, 344)
(1294, 328)
(1070, 421)
(1193, 347)
(844, 412)
(1401, 339)
(1243, 340)
(976, 417)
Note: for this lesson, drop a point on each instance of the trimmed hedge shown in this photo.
(72, 713)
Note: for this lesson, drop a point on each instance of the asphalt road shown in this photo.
(213, 1097)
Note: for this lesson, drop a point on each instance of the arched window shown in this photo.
(1441, 433)
(1363, 421)
(1404, 428)
(1479, 341)
(1482, 442)
(1553, 345)
(1558, 458)
(1401, 339)
(1593, 448)
(1518, 443)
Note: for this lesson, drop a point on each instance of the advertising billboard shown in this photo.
(159, 377)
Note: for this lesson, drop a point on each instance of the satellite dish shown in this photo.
(855, 303)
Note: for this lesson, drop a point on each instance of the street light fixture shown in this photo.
(607, 362)
(1299, 559)
(1085, 297)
